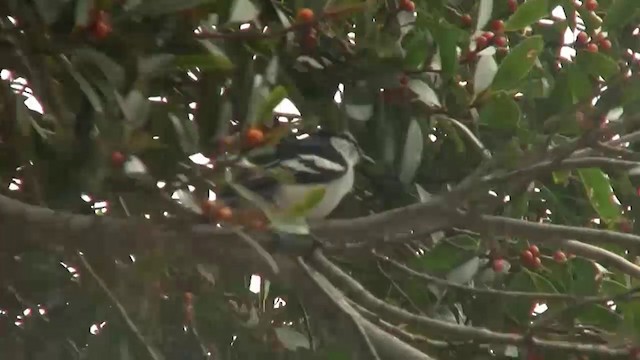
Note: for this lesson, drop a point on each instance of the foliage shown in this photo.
(146, 102)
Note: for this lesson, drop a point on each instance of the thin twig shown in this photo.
(264, 254)
(399, 289)
(451, 330)
(123, 312)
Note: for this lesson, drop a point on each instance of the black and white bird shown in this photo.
(320, 160)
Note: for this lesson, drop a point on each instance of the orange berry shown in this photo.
(560, 257)
(407, 5)
(497, 265)
(305, 15)
(534, 250)
(254, 137)
(592, 48)
(500, 41)
(466, 20)
(582, 38)
(497, 25)
(591, 5)
(118, 158)
(223, 213)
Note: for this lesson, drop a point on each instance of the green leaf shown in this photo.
(600, 193)
(600, 316)
(515, 66)
(500, 112)
(597, 64)
(583, 277)
(161, 7)
(187, 134)
(416, 51)
(447, 37)
(83, 12)
(620, 13)
(526, 14)
(561, 177)
(274, 98)
(204, 62)
(311, 199)
(412, 155)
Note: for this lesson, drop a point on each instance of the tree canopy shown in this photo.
(496, 220)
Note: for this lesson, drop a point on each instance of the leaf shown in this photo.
(597, 64)
(484, 13)
(412, 154)
(135, 168)
(311, 199)
(425, 93)
(579, 84)
(485, 72)
(160, 7)
(416, 51)
(150, 66)
(83, 13)
(50, 10)
(204, 62)
(86, 88)
(464, 273)
(135, 107)
(583, 277)
(187, 134)
(500, 112)
(291, 339)
(526, 14)
(447, 37)
(243, 11)
(359, 112)
(620, 13)
(600, 193)
(274, 98)
(112, 71)
(517, 64)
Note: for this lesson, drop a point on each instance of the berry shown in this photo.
(404, 80)
(535, 251)
(223, 213)
(118, 158)
(527, 257)
(481, 42)
(582, 38)
(466, 20)
(488, 35)
(560, 257)
(536, 263)
(254, 137)
(500, 41)
(206, 208)
(512, 5)
(101, 29)
(497, 26)
(605, 44)
(305, 15)
(407, 5)
(188, 297)
(591, 5)
(592, 48)
(497, 265)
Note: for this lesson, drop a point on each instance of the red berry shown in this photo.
(526, 257)
(497, 265)
(254, 137)
(592, 48)
(223, 213)
(500, 41)
(582, 38)
(118, 158)
(488, 35)
(305, 15)
(560, 257)
(605, 44)
(512, 5)
(206, 207)
(481, 42)
(407, 5)
(591, 5)
(101, 25)
(466, 20)
(534, 250)
(497, 26)
(188, 297)
(404, 80)
(536, 263)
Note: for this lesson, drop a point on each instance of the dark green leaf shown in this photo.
(500, 112)
(597, 64)
(274, 98)
(161, 7)
(416, 51)
(526, 14)
(620, 13)
(515, 66)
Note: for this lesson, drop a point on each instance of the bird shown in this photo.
(322, 160)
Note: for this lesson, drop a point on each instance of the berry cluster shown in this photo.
(594, 44)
